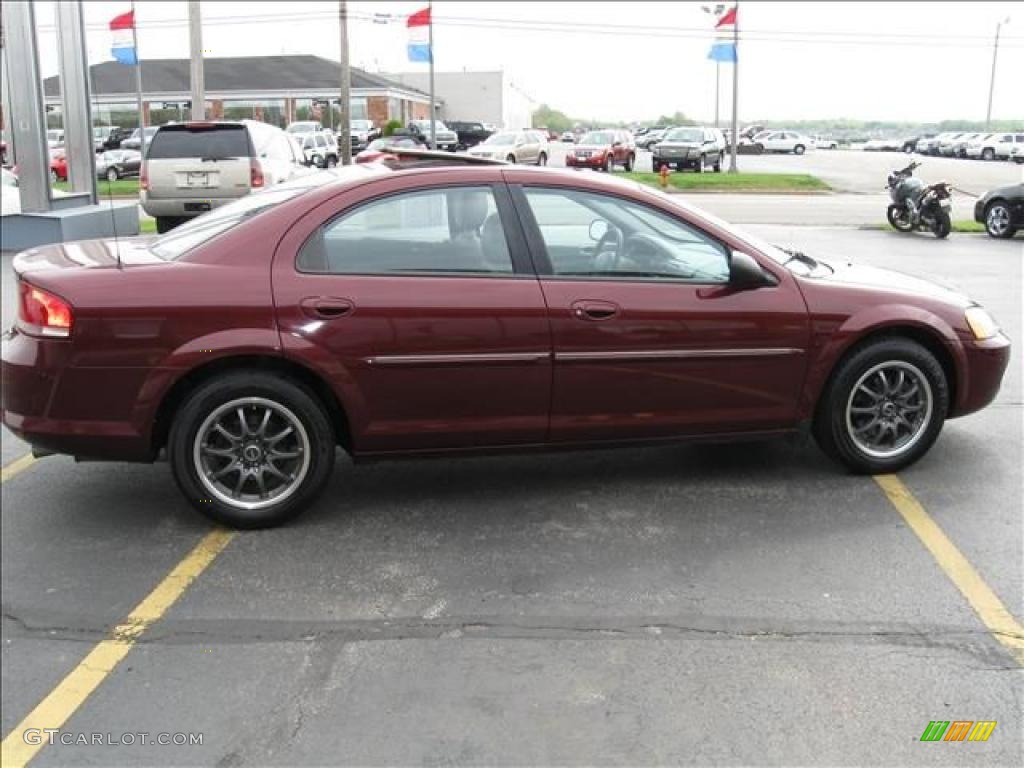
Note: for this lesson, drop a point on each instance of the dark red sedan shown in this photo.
(409, 311)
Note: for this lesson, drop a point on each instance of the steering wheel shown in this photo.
(613, 238)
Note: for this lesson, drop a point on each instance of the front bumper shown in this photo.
(987, 361)
(594, 161)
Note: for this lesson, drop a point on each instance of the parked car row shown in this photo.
(983, 146)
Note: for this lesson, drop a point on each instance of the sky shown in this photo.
(905, 61)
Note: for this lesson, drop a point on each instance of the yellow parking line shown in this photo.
(64, 700)
(990, 609)
(16, 466)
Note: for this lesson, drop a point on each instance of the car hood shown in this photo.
(847, 273)
(680, 144)
(87, 254)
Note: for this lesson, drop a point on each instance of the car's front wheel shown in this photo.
(251, 450)
(112, 174)
(884, 406)
(999, 220)
(542, 159)
(799, 149)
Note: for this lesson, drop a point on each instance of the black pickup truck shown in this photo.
(470, 133)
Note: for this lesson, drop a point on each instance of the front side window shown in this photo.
(595, 236)
(451, 230)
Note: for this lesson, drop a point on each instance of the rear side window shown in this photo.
(452, 230)
(210, 141)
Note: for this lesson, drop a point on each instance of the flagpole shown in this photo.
(138, 83)
(718, 74)
(430, 41)
(735, 89)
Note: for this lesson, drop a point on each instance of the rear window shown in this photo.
(207, 141)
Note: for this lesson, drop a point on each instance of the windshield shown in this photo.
(501, 139)
(685, 134)
(424, 125)
(361, 125)
(598, 137)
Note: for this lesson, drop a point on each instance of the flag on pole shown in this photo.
(122, 38)
(418, 25)
(724, 46)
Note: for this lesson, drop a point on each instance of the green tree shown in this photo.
(552, 119)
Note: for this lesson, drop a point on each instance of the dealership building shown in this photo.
(274, 89)
(282, 89)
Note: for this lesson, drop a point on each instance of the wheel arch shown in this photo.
(178, 392)
(926, 336)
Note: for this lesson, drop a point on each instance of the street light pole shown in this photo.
(345, 100)
(992, 79)
(195, 44)
(735, 91)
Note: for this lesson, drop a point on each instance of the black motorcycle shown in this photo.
(917, 206)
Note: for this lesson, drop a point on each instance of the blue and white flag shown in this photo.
(122, 32)
(418, 25)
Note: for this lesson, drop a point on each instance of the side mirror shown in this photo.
(616, 143)
(746, 273)
(599, 228)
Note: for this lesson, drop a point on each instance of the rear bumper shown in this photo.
(61, 409)
(986, 363)
(176, 206)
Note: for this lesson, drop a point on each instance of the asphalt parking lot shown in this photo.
(744, 604)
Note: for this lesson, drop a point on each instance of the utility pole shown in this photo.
(992, 80)
(138, 83)
(195, 45)
(430, 41)
(735, 91)
(344, 103)
(718, 74)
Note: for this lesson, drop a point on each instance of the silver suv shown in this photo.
(191, 168)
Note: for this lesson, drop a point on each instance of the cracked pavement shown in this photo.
(744, 604)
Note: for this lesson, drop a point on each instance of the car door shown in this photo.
(417, 299)
(774, 142)
(530, 150)
(649, 338)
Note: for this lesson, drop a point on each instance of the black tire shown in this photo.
(799, 149)
(630, 162)
(511, 159)
(112, 174)
(332, 161)
(609, 163)
(718, 164)
(942, 226)
(701, 161)
(988, 154)
(895, 221)
(759, 148)
(277, 390)
(166, 223)
(998, 220)
(833, 427)
(542, 159)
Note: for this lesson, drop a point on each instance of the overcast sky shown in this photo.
(634, 60)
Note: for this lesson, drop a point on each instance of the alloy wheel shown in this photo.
(251, 453)
(889, 409)
(998, 220)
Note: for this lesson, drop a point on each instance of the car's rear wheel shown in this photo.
(332, 161)
(630, 162)
(799, 149)
(510, 159)
(999, 220)
(609, 163)
(112, 174)
(759, 148)
(251, 450)
(884, 407)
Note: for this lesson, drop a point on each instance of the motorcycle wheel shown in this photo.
(942, 226)
(897, 216)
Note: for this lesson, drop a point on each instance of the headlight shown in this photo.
(981, 323)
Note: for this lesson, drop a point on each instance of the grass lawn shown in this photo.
(736, 182)
(119, 188)
(963, 225)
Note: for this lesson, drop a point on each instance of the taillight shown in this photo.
(144, 176)
(43, 313)
(255, 173)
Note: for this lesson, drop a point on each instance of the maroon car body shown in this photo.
(602, 150)
(435, 362)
